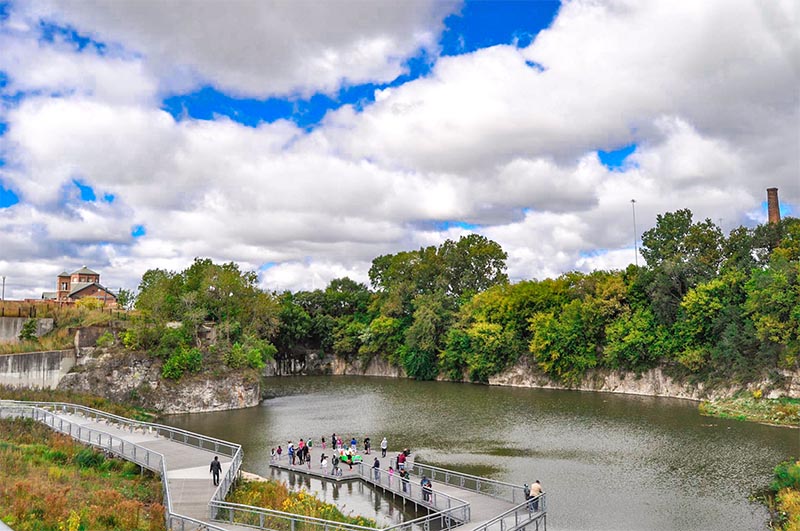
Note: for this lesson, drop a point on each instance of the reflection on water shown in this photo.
(607, 462)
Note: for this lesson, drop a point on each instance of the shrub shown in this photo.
(28, 332)
(105, 340)
(787, 475)
(88, 458)
(179, 362)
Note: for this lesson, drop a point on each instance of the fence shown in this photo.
(490, 487)
(447, 511)
(530, 514)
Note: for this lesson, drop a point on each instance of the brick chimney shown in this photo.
(773, 207)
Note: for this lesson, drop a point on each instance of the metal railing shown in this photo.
(531, 513)
(260, 518)
(112, 444)
(168, 432)
(490, 487)
(447, 511)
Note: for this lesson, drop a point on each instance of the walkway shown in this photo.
(478, 503)
(192, 502)
(183, 458)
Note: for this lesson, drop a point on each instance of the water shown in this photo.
(607, 462)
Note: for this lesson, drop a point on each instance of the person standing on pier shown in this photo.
(376, 469)
(384, 446)
(216, 468)
(405, 477)
(367, 445)
(354, 445)
(536, 491)
(401, 461)
(323, 464)
(279, 451)
(290, 449)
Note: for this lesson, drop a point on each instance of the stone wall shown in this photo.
(10, 327)
(36, 369)
(136, 378)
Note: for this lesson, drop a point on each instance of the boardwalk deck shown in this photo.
(185, 469)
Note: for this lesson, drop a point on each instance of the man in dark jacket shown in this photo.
(216, 468)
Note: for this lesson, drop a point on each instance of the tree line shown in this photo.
(705, 305)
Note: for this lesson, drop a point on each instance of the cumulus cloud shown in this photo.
(504, 139)
(264, 48)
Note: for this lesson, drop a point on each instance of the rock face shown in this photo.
(651, 383)
(136, 378)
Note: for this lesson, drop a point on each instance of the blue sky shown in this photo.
(306, 142)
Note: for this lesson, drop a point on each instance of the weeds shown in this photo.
(46, 476)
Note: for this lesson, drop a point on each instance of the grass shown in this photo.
(783, 497)
(58, 340)
(776, 411)
(271, 494)
(95, 402)
(51, 483)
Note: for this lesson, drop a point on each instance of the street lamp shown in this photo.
(635, 234)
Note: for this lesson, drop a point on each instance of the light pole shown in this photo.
(3, 297)
(635, 234)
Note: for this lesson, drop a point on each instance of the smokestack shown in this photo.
(773, 207)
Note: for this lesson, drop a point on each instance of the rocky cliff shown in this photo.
(654, 382)
(136, 378)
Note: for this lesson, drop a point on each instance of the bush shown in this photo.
(88, 458)
(179, 362)
(28, 332)
(787, 475)
(105, 340)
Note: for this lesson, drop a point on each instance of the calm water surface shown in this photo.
(607, 462)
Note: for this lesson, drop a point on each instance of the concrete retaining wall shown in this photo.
(36, 369)
(10, 327)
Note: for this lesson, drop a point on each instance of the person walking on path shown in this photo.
(376, 470)
(384, 446)
(216, 468)
(354, 445)
(272, 455)
(367, 445)
(536, 491)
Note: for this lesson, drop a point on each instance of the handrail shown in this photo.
(185, 434)
(489, 487)
(269, 516)
(525, 508)
(449, 510)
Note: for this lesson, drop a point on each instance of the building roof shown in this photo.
(85, 271)
(47, 295)
(80, 286)
(63, 274)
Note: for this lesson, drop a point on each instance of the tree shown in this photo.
(472, 264)
(125, 299)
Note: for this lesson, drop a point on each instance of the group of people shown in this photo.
(300, 453)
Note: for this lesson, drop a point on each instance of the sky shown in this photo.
(303, 139)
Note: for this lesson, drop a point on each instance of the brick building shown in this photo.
(79, 284)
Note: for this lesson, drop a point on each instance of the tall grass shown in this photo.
(275, 495)
(51, 483)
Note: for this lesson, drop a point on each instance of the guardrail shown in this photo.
(112, 444)
(260, 518)
(531, 513)
(490, 487)
(447, 511)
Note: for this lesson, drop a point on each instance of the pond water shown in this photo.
(607, 462)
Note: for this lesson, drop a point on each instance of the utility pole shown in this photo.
(635, 234)
(3, 297)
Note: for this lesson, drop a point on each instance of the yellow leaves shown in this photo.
(72, 523)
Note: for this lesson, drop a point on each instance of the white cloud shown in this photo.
(264, 48)
(707, 91)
